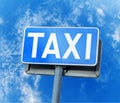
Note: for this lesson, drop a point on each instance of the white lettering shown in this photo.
(72, 44)
(35, 42)
(88, 46)
(55, 51)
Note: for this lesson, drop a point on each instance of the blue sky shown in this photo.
(18, 87)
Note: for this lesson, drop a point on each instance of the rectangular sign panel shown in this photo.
(61, 46)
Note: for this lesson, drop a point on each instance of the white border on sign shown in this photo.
(61, 63)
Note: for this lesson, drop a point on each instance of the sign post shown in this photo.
(62, 51)
(57, 84)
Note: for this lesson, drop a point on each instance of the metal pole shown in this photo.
(57, 84)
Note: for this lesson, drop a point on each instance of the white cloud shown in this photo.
(90, 18)
(83, 90)
(12, 82)
(29, 95)
(4, 49)
(118, 15)
(39, 18)
(82, 87)
(100, 12)
(74, 16)
(87, 8)
(23, 23)
(1, 21)
(116, 36)
(36, 82)
(100, 16)
(13, 77)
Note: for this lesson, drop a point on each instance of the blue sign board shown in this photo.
(61, 46)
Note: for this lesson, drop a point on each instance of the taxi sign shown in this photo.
(61, 46)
